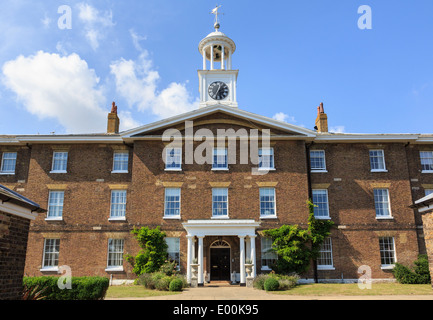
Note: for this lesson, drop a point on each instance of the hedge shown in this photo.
(83, 288)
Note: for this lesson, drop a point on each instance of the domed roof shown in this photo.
(219, 38)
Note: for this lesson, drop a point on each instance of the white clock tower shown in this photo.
(217, 79)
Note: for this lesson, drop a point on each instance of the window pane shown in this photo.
(173, 250)
(266, 158)
(115, 252)
(120, 161)
(118, 203)
(325, 258)
(219, 202)
(219, 158)
(267, 201)
(320, 199)
(377, 160)
(172, 202)
(60, 160)
(55, 204)
(51, 252)
(173, 158)
(317, 160)
(269, 257)
(8, 162)
(381, 202)
(426, 160)
(387, 252)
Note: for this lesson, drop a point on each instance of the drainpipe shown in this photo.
(310, 196)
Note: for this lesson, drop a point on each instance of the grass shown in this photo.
(134, 291)
(352, 289)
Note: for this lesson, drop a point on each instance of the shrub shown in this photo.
(419, 275)
(169, 268)
(83, 288)
(146, 280)
(271, 284)
(176, 284)
(163, 283)
(259, 281)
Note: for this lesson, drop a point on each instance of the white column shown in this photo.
(211, 56)
(222, 58)
(242, 258)
(229, 61)
(253, 253)
(189, 258)
(204, 58)
(200, 260)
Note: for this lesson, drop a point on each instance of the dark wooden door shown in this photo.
(220, 264)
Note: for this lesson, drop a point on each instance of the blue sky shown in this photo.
(291, 56)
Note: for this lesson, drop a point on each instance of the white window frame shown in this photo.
(326, 254)
(121, 206)
(377, 203)
(224, 193)
(120, 161)
(53, 165)
(116, 267)
(56, 199)
(265, 252)
(388, 251)
(55, 252)
(270, 155)
(322, 169)
(380, 155)
(429, 157)
(217, 152)
(274, 202)
(173, 249)
(8, 156)
(173, 159)
(172, 216)
(316, 193)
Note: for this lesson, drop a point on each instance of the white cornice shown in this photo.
(17, 210)
(360, 138)
(70, 139)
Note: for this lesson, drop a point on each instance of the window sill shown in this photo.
(49, 269)
(173, 169)
(269, 217)
(171, 217)
(54, 219)
(267, 169)
(117, 219)
(379, 170)
(7, 173)
(266, 268)
(387, 266)
(220, 169)
(325, 268)
(114, 269)
(427, 171)
(220, 217)
(58, 171)
(319, 171)
(119, 171)
(384, 218)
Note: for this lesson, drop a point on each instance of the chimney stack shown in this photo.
(322, 119)
(113, 120)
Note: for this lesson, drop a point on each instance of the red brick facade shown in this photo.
(85, 228)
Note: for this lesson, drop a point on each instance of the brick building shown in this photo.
(16, 212)
(214, 205)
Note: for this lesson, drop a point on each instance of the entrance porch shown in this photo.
(221, 248)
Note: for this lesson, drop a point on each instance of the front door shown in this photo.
(220, 264)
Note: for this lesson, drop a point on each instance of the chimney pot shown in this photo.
(322, 119)
(113, 120)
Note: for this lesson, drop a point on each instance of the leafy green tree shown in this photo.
(153, 251)
(296, 247)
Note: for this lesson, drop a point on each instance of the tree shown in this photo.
(153, 251)
(296, 247)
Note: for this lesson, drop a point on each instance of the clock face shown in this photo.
(218, 90)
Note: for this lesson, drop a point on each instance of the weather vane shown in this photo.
(216, 13)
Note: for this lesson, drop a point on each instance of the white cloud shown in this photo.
(95, 23)
(281, 116)
(136, 82)
(63, 88)
(46, 21)
(136, 38)
(337, 129)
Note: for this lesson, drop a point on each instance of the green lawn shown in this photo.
(134, 291)
(352, 289)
